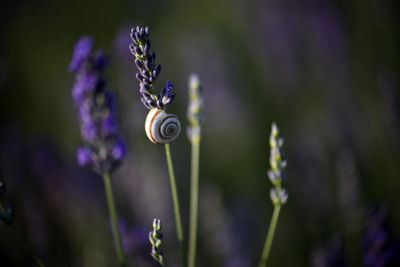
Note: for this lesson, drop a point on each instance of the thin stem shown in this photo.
(194, 201)
(270, 236)
(26, 246)
(113, 216)
(177, 212)
(21, 239)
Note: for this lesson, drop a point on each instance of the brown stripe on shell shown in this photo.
(151, 126)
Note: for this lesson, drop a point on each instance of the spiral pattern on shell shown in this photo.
(160, 127)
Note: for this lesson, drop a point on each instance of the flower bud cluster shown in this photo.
(104, 147)
(195, 108)
(277, 163)
(149, 71)
(155, 238)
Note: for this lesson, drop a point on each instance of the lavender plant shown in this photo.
(104, 148)
(155, 238)
(7, 218)
(278, 194)
(195, 116)
(160, 127)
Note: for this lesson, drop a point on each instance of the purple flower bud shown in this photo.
(96, 105)
(110, 126)
(146, 88)
(146, 74)
(132, 49)
(137, 37)
(84, 85)
(152, 58)
(144, 94)
(133, 35)
(81, 53)
(119, 150)
(138, 51)
(100, 60)
(149, 65)
(85, 113)
(88, 82)
(157, 70)
(170, 87)
(146, 49)
(148, 71)
(139, 77)
(89, 131)
(139, 64)
(78, 93)
(84, 156)
(148, 103)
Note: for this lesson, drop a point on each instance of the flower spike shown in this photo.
(149, 71)
(155, 238)
(278, 164)
(104, 147)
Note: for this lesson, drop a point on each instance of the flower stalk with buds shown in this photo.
(160, 127)
(195, 117)
(155, 238)
(104, 148)
(278, 194)
(149, 71)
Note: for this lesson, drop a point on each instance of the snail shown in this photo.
(160, 127)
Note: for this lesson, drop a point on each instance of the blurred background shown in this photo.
(326, 71)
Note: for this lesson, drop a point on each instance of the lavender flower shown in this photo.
(104, 148)
(379, 248)
(149, 71)
(195, 108)
(155, 238)
(278, 194)
(278, 164)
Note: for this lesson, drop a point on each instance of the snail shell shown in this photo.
(160, 127)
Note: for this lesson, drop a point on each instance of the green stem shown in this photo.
(194, 201)
(114, 221)
(26, 246)
(21, 239)
(177, 212)
(270, 236)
